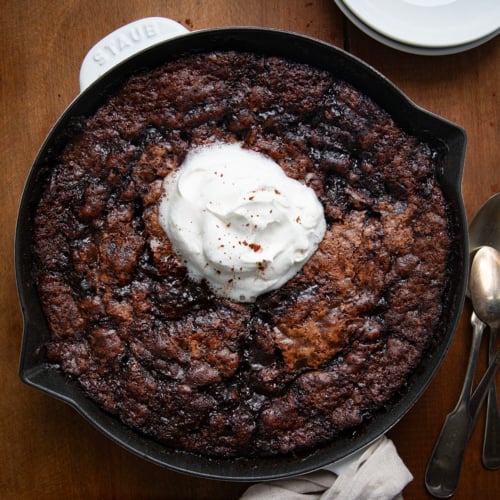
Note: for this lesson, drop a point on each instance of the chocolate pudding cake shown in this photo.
(246, 314)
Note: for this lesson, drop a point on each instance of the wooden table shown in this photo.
(47, 451)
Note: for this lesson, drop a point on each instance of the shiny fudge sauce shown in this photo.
(204, 373)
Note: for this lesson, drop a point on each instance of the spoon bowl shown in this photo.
(484, 285)
(484, 228)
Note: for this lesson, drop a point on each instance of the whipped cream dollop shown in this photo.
(239, 221)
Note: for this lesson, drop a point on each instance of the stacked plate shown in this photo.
(426, 27)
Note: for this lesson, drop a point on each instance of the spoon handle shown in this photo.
(481, 390)
(443, 469)
(491, 442)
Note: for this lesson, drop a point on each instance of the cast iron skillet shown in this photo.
(35, 371)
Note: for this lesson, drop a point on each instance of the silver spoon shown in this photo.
(488, 310)
(484, 229)
(443, 469)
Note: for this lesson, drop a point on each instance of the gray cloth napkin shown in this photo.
(376, 474)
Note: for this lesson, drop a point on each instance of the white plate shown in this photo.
(411, 49)
(430, 23)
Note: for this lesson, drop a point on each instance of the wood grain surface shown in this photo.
(47, 451)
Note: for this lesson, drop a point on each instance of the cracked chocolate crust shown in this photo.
(203, 373)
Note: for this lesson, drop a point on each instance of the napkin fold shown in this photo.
(377, 474)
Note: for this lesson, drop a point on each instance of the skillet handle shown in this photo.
(125, 42)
